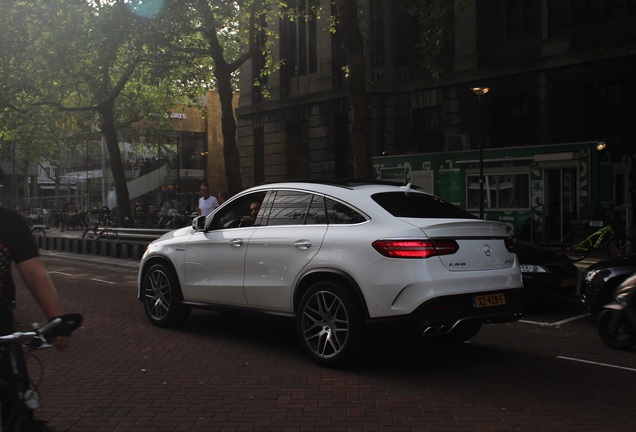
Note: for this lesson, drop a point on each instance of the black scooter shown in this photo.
(617, 321)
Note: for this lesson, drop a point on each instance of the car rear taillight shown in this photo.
(415, 248)
(510, 245)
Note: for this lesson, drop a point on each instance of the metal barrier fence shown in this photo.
(131, 245)
(127, 250)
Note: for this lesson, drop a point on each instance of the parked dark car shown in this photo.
(546, 272)
(600, 280)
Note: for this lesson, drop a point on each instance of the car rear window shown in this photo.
(418, 205)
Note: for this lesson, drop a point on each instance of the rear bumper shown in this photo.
(440, 315)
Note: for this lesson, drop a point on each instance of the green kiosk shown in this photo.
(539, 192)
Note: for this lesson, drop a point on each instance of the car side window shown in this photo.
(339, 213)
(317, 214)
(230, 215)
(288, 208)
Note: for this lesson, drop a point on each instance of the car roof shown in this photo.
(331, 186)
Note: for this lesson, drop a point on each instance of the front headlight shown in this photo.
(532, 268)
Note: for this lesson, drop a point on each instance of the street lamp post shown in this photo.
(480, 91)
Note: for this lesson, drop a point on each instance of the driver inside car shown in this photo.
(248, 220)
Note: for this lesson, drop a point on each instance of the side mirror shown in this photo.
(198, 223)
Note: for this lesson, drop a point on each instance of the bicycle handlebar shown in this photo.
(59, 326)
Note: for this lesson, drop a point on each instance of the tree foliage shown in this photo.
(221, 35)
(98, 65)
(436, 19)
(68, 67)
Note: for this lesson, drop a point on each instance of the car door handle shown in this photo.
(302, 244)
(237, 242)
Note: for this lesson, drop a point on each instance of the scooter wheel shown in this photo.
(616, 333)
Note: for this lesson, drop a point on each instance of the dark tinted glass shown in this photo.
(289, 208)
(338, 213)
(317, 214)
(417, 205)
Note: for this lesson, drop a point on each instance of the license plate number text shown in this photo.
(489, 300)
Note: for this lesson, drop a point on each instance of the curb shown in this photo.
(92, 259)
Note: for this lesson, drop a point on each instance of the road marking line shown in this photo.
(585, 315)
(102, 280)
(62, 273)
(558, 323)
(535, 322)
(596, 363)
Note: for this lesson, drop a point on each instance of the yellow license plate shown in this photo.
(489, 300)
(565, 283)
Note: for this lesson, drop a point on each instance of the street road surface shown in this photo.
(549, 372)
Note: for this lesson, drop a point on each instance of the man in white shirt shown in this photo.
(207, 203)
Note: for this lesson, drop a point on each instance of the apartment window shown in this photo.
(377, 35)
(510, 121)
(427, 129)
(298, 41)
(597, 10)
(259, 80)
(338, 56)
(612, 111)
(341, 143)
(259, 155)
(512, 19)
(558, 17)
(297, 150)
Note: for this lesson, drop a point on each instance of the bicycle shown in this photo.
(38, 230)
(97, 233)
(615, 244)
(15, 381)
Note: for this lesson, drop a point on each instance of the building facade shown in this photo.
(559, 72)
(159, 166)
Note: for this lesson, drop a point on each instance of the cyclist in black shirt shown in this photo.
(18, 247)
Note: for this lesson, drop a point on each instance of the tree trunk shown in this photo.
(228, 128)
(352, 43)
(109, 130)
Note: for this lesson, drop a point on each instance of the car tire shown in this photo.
(618, 335)
(329, 324)
(464, 331)
(162, 297)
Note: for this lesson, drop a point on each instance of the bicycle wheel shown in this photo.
(575, 247)
(619, 245)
